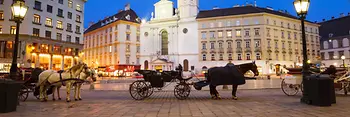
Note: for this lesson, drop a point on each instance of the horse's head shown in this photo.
(90, 73)
(254, 69)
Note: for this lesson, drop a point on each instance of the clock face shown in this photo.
(146, 34)
(185, 30)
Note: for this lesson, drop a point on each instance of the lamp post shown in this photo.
(302, 7)
(19, 10)
(343, 58)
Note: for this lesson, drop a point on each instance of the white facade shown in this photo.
(171, 36)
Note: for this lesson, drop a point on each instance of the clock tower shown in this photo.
(188, 8)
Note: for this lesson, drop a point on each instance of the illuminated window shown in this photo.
(70, 3)
(78, 7)
(0, 29)
(48, 22)
(1, 15)
(238, 33)
(13, 30)
(77, 18)
(229, 33)
(59, 24)
(36, 18)
(220, 34)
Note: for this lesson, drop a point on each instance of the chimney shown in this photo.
(341, 14)
(332, 17)
(127, 7)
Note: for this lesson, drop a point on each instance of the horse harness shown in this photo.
(61, 79)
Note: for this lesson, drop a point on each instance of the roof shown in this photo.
(240, 11)
(338, 27)
(119, 16)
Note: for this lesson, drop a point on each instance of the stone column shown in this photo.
(50, 62)
(72, 64)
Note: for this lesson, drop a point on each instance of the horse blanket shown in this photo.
(228, 75)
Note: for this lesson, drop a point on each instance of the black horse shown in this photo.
(229, 75)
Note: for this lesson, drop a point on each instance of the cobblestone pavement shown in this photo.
(251, 103)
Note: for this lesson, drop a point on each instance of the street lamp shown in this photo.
(343, 58)
(19, 10)
(302, 7)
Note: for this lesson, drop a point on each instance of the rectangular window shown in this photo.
(127, 61)
(239, 44)
(60, 1)
(282, 34)
(78, 7)
(228, 23)
(69, 27)
(283, 45)
(212, 34)
(69, 15)
(36, 18)
(128, 48)
(229, 45)
(48, 22)
(77, 40)
(69, 38)
(289, 35)
(128, 37)
(48, 34)
(258, 56)
(257, 32)
(203, 26)
(221, 46)
(0, 29)
(13, 30)
(1, 15)
(229, 34)
(277, 57)
(138, 38)
(276, 44)
(212, 46)
(247, 33)
(238, 33)
(59, 25)
(220, 34)
(248, 57)
(60, 13)
(257, 44)
(37, 5)
(70, 3)
(59, 36)
(239, 56)
(204, 35)
(220, 24)
(138, 49)
(49, 8)
(238, 23)
(36, 32)
(77, 29)
(247, 44)
(212, 25)
(204, 57)
(77, 18)
(268, 32)
(128, 27)
(269, 43)
(230, 57)
(204, 46)
(221, 57)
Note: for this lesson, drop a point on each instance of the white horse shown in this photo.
(84, 75)
(53, 78)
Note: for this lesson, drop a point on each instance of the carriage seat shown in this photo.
(60, 71)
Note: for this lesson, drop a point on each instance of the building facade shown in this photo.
(335, 35)
(50, 35)
(169, 38)
(248, 33)
(113, 44)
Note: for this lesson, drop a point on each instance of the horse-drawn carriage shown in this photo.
(228, 75)
(292, 82)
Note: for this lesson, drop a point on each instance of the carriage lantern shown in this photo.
(343, 58)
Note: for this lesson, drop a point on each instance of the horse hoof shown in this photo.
(76, 99)
(80, 99)
(43, 100)
(59, 99)
(54, 99)
(67, 100)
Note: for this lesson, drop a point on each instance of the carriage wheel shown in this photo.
(23, 94)
(150, 89)
(139, 90)
(182, 91)
(289, 89)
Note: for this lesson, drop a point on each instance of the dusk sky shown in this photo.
(319, 9)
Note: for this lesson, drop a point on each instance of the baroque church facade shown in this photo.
(170, 37)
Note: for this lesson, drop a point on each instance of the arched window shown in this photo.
(146, 65)
(335, 44)
(345, 42)
(325, 45)
(185, 65)
(164, 35)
